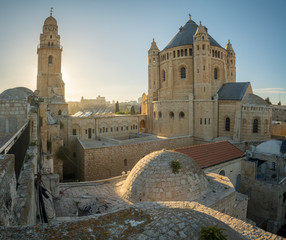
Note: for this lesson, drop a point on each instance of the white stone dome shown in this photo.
(152, 179)
(51, 21)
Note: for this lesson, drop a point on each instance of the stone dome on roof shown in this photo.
(185, 36)
(51, 21)
(18, 93)
(252, 99)
(152, 179)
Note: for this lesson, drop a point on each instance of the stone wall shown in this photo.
(279, 113)
(278, 129)
(106, 162)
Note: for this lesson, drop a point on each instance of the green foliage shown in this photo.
(121, 113)
(212, 233)
(33, 143)
(63, 153)
(132, 111)
(268, 100)
(279, 103)
(116, 107)
(176, 166)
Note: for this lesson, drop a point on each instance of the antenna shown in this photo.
(51, 11)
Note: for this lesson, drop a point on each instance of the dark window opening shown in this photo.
(181, 115)
(227, 124)
(74, 132)
(50, 59)
(171, 115)
(183, 73)
(125, 162)
(255, 126)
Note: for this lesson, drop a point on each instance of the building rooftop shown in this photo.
(232, 91)
(18, 93)
(185, 36)
(252, 99)
(210, 154)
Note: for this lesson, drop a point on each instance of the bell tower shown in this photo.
(49, 79)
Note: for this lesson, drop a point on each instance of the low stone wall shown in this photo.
(105, 162)
(278, 129)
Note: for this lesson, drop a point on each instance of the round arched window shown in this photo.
(160, 114)
(181, 114)
(171, 115)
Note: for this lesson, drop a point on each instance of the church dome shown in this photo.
(51, 21)
(185, 36)
(152, 179)
(18, 93)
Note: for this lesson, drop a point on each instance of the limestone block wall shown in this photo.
(170, 118)
(7, 190)
(264, 117)
(205, 119)
(106, 162)
(278, 129)
(227, 109)
(13, 115)
(231, 169)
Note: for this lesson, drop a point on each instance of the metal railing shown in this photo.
(18, 145)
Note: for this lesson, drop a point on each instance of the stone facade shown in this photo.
(105, 161)
(279, 113)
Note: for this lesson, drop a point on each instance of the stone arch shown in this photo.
(50, 59)
(142, 126)
(182, 71)
(222, 172)
(256, 125)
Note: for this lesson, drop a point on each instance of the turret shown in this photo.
(231, 63)
(153, 70)
(202, 84)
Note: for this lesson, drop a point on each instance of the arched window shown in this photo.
(222, 173)
(181, 115)
(255, 126)
(163, 76)
(227, 124)
(160, 114)
(183, 73)
(60, 112)
(50, 59)
(171, 115)
(215, 73)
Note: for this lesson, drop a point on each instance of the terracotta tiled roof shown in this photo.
(210, 154)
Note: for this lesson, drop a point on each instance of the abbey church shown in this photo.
(193, 97)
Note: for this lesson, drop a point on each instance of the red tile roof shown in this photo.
(210, 154)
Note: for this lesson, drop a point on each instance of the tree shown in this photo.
(279, 103)
(132, 111)
(268, 100)
(117, 107)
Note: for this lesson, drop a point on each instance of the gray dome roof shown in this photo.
(18, 93)
(252, 99)
(152, 179)
(185, 36)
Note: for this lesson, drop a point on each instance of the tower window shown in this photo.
(255, 126)
(60, 112)
(74, 132)
(201, 121)
(183, 73)
(182, 52)
(178, 53)
(174, 54)
(227, 124)
(190, 51)
(215, 73)
(186, 52)
(50, 59)
(51, 37)
(125, 162)
(204, 46)
(163, 76)
(160, 114)
(171, 115)
(181, 115)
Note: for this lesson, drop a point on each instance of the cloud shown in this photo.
(270, 90)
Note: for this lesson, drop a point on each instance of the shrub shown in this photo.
(176, 166)
(212, 233)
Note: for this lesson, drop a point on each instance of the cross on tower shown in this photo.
(189, 16)
(51, 11)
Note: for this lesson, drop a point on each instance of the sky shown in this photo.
(105, 43)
